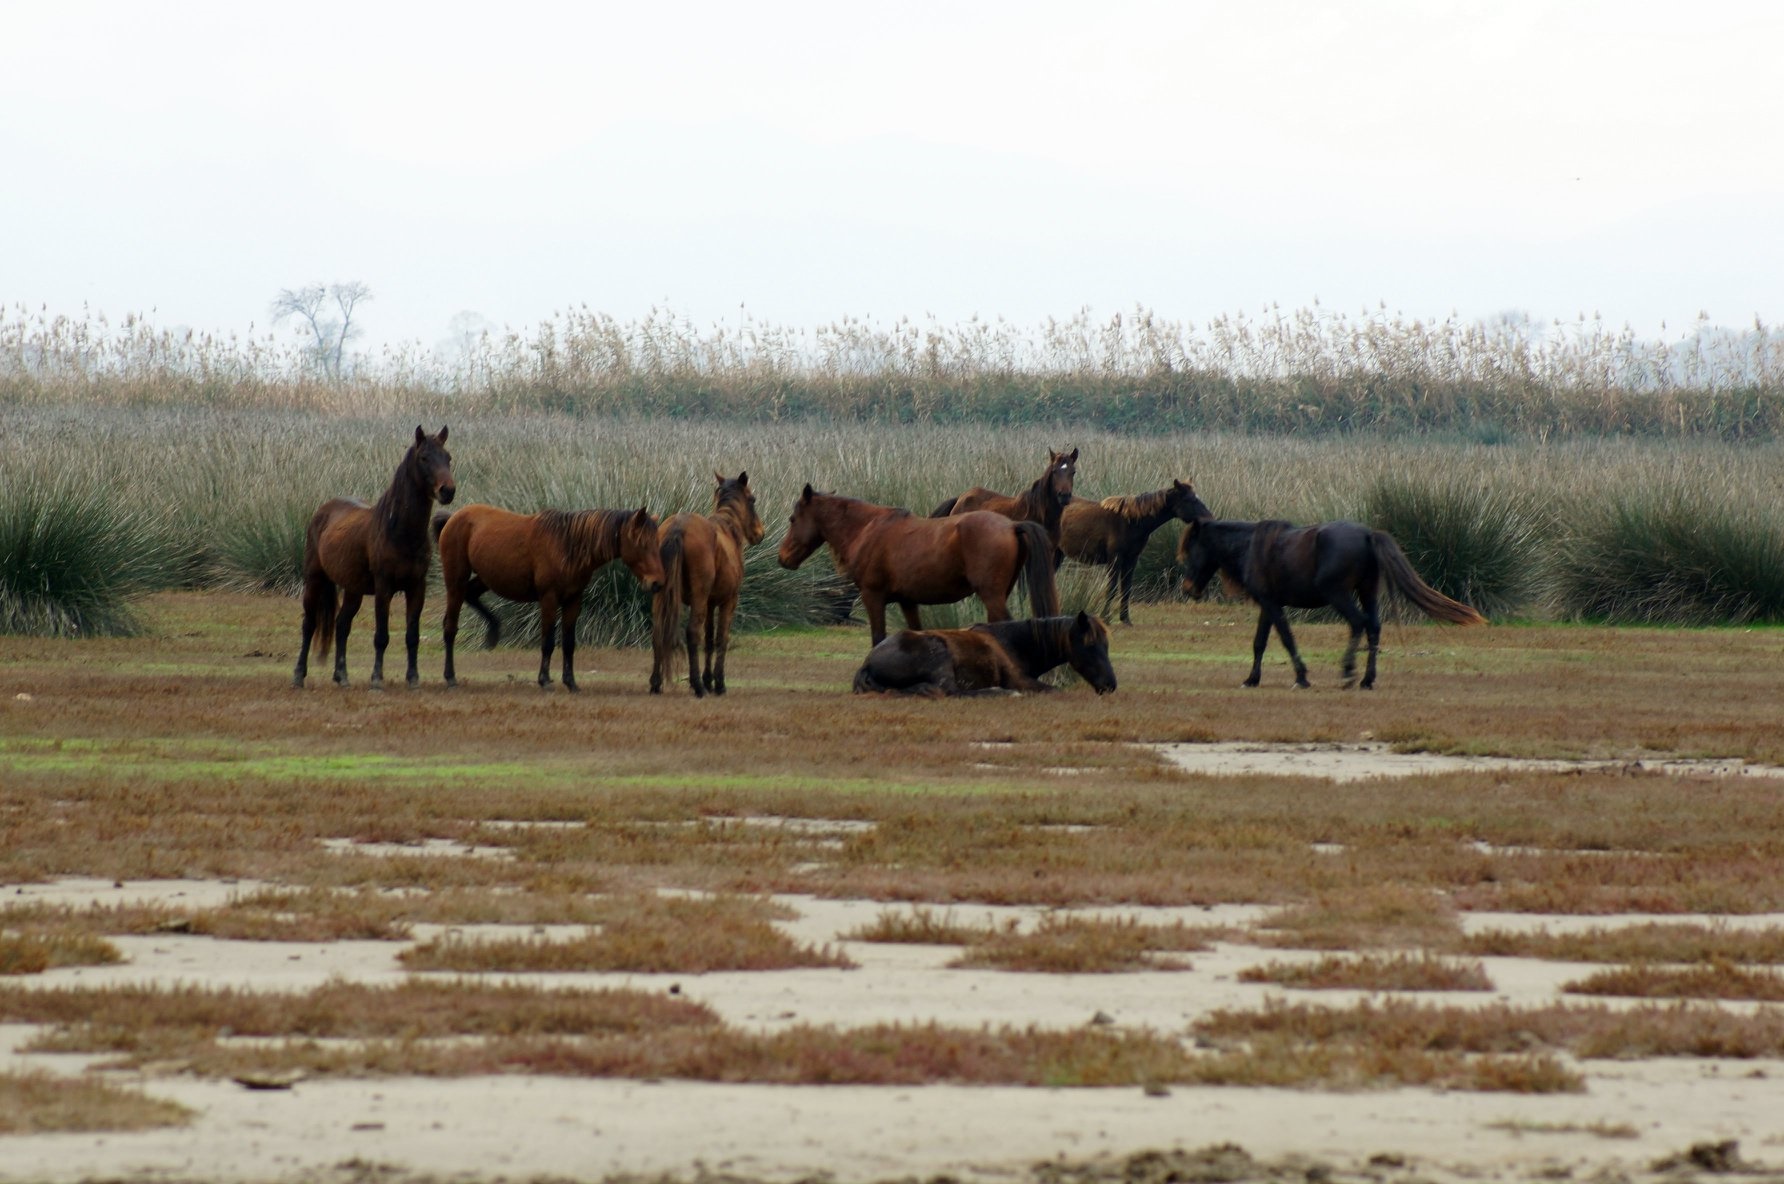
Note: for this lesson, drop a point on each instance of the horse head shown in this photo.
(1197, 558)
(1088, 645)
(1062, 468)
(805, 533)
(430, 465)
(1185, 505)
(639, 550)
(733, 498)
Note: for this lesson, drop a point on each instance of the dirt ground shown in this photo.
(222, 666)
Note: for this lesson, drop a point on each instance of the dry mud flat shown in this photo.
(523, 1127)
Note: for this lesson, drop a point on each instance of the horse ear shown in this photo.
(1074, 456)
(807, 495)
(420, 436)
(1083, 621)
(743, 478)
(442, 433)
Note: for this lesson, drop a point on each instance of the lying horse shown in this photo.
(1332, 565)
(548, 557)
(1114, 531)
(998, 656)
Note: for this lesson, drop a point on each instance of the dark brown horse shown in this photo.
(380, 550)
(894, 557)
(547, 557)
(1114, 531)
(1331, 565)
(999, 656)
(1044, 501)
(703, 569)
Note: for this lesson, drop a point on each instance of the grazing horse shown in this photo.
(1044, 501)
(1000, 656)
(703, 569)
(1114, 531)
(380, 549)
(1333, 564)
(547, 557)
(895, 557)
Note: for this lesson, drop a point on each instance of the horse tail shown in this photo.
(320, 594)
(1406, 581)
(946, 509)
(492, 624)
(1037, 569)
(438, 523)
(665, 609)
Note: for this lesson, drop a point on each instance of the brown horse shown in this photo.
(1044, 501)
(1000, 656)
(1114, 531)
(547, 557)
(703, 569)
(1333, 564)
(380, 549)
(895, 557)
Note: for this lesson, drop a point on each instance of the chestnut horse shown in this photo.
(894, 557)
(1333, 564)
(1043, 501)
(1002, 656)
(1114, 531)
(380, 549)
(547, 557)
(703, 569)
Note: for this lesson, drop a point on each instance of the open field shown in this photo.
(1067, 914)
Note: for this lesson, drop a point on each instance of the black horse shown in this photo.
(1332, 565)
(999, 656)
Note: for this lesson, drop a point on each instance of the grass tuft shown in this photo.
(74, 553)
(1397, 972)
(37, 1103)
(35, 951)
(1719, 980)
(1081, 945)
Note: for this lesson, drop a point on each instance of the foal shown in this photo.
(703, 569)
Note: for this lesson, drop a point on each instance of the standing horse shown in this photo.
(1333, 564)
(1000, 656)
(380, 549)
(1044, 501)
(548, 557)
(895, 557)
(703, 568)
(1114, 531)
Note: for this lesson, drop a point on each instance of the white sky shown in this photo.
(811, 161)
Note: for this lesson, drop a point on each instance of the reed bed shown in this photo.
(99, 504)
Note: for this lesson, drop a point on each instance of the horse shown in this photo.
(987, 658)
(1043, 501)
(703, 569)
(547, 557)
(381, 549)
(1329, 565)
(895, 557)
(1114, 531)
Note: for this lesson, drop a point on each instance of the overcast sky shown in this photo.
(805, 162)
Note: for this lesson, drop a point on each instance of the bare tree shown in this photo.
(328, 330)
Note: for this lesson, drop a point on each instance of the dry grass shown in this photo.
(1718, 980)
(1604, 1130)
(1082, 945)
(37, 1104)
(1647, 942)
(1372, 918)
(644, 935)
(36, 950)
(918, 926)
(1395, 972)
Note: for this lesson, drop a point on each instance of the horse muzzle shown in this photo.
(444, 494)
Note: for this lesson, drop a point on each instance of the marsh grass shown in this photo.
(1082, 945)
(644, 935)
(1677, 942)
(1389, 916)
(918, 926)
(1718, 980)
(1473, 541)
(1392, 972)
(37, 1104)
(36, 950)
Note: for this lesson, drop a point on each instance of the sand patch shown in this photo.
(1365, 759)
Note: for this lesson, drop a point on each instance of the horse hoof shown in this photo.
(572, 687)
(1302, 684)
(450, 683)
(377, 684)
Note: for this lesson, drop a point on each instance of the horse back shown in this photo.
(1300, 566)
(981, 498)
(1089, 532)
(337, 544)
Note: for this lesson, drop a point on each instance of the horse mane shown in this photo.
(1136, 506)
(586, 532)
(1034, 642)
(394, 509)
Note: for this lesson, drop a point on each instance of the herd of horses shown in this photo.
(980, 543)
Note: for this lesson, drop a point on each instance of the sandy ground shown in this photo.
(518, 1127)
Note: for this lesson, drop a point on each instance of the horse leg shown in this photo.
(874, 605)
(350, 602)
(455, 600)
(548, 613)
(1127, 586)
(1345, 607)
(381, 595)
(1372, 626)
(706, 674)
(1259, 641)
(572, 610)
(311, 612)
(913, 615)
(413, 599)
(1288, 643)
(1112, 586)
(691, 635)
(726, 612)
